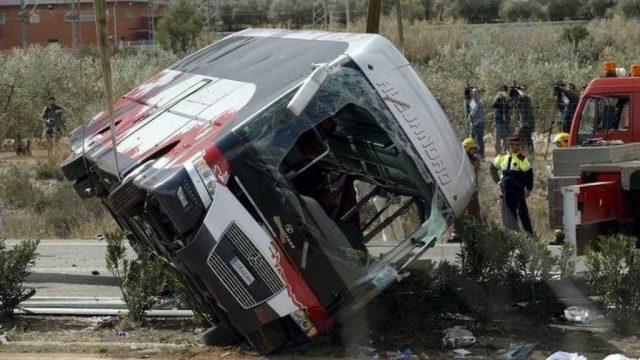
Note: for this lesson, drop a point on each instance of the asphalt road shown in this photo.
(64, 268)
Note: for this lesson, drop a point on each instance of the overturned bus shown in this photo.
(250, 167)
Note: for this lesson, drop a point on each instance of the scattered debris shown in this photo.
(169, 302)
(617, 357)
(3, 339)
(518, 351)
(100, 237)
(577, 314)
(119, 332)
(460, 353)
(106, 323)
(95, 272)
(74, 265)
(370, 353)
(226, 354)
(561, 355)
(458, 336)
(149, 351)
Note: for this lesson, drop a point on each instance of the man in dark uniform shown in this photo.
(513, 172)
(567, 101)
(501, 114)
(52, 123)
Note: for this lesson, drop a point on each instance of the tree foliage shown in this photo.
(180, 26)
(74, 79)
(519, 10)
(291, 12)
(561, 9)
(474, 11)
(238, 13)
(628, 8)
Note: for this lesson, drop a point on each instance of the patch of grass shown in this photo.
(48, 170)
(66, 213)
(16, 188)
(55, 213)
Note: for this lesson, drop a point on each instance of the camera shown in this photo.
(467, 91)
(515, 89)
(558, 88)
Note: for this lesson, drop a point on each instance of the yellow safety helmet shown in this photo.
(561, 139)
(468, 144)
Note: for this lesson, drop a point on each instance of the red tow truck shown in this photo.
(595, 184)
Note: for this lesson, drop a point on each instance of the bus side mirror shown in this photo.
(312, 84)
(308, 89)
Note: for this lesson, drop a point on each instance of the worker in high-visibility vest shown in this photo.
(561, 140)
(513, 172)
(471, 148)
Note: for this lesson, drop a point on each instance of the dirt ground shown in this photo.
(76, 338)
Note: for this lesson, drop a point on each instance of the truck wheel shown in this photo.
(74, 167)
(125, 198)
(220, 335)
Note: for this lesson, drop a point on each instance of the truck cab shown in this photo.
(595, 183)
(606, 111)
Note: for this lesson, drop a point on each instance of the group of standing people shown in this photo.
(511, 168)
(507, 102)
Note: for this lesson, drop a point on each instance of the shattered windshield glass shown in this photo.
(272, 135)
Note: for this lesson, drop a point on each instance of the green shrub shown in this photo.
(140, 280)
(614, 274)
(15, 266)
(500, 267)
(566, 262)
(575, 35)
(48, 170)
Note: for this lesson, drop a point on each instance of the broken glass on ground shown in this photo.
(458, 336)
(561, 355)
(577, 314)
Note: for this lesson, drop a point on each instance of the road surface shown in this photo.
(64, 268)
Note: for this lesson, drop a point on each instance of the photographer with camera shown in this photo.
(566, 102)
(501, 114)
(53, 125)
(476, 118)
(521, 102)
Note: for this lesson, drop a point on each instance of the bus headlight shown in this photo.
(206, 174)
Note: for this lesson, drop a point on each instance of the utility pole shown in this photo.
(115, 25)
(346, 10)
(74, 23)
(23, 24)
(152, 25)
(373, 16)
(320, 14)
(400, 28)
(207, 16)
